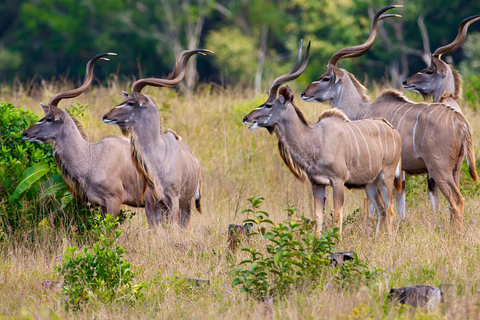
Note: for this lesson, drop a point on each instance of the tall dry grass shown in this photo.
(237, 163)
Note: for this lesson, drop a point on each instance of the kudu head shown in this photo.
(429, 80)
(136, 105)
(53, 124)
(272, 111)
(327, 86)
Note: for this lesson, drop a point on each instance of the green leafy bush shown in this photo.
(293, 256)
(22, 164)
(31, 186)
(100, 271)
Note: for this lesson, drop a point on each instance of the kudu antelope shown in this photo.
(440, 80)
(435, 136)
(100, 173)
(334, 151)
(164, 162)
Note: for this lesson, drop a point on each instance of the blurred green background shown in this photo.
(53, 39)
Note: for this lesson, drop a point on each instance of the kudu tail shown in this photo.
(397, 182)
(198, 197)
(470, 152)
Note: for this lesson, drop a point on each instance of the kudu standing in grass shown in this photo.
(164, 162)
(100, 173)
(440, 80)
(435, 136)
(334, 151)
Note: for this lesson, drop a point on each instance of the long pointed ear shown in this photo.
(285, 95)
(441, 66)
(125, 95)
(338, 76)
(46, 108)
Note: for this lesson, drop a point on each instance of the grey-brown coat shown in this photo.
(334, 151)
(100, 173)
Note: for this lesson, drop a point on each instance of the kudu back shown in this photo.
(169, 171)
(334, 151)
(102, 173)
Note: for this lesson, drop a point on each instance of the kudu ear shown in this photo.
(338, 76)
(285, 95)
(440, 66)
(46, 108)
(125, 95)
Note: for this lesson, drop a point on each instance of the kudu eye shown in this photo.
(49, 119)
(269, 105)
(130, 104)
(326, 79)
(429, 72)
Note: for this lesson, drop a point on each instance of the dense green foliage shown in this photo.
(52, 37)
(294, 256)
(31, 186)
(99, 271)
(23, 164)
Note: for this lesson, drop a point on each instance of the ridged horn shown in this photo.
(86, 83)
(293, 74)
(178, 61)
(356, 51)
(461, 36)
(138, 85)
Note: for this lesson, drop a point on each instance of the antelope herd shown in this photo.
(360, 143)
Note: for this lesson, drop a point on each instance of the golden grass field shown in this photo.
(237, 163)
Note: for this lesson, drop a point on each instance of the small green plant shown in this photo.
(100, 271)
(77, 111)
(293, 255)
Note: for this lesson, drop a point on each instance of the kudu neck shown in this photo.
(70, 140)
(447, 86)
(148, 127)
(350, 100)
(292, 130)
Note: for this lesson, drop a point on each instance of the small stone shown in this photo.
(426, 297)
(338, 258)
(200, 282)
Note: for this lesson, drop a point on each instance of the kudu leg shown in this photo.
(433, 193)
(372, 192)
(185, 213)
(338, 196)
(150, 213)
(387, 190)
(319, 199)
(455, 200)
(400, 199)
(113, 207)
(458, 168)
(173, 205)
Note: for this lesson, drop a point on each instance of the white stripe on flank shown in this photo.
(453, 122)
(374, 141)
(366, 143)
(356, 141)
(398, 125)
(391, 121)
(379, 134)
(428, 122)
(414, 130)
(435, 126)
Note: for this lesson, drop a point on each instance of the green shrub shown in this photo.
(294, 256)
(18, 160)
(100, 271)
(31, 186)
